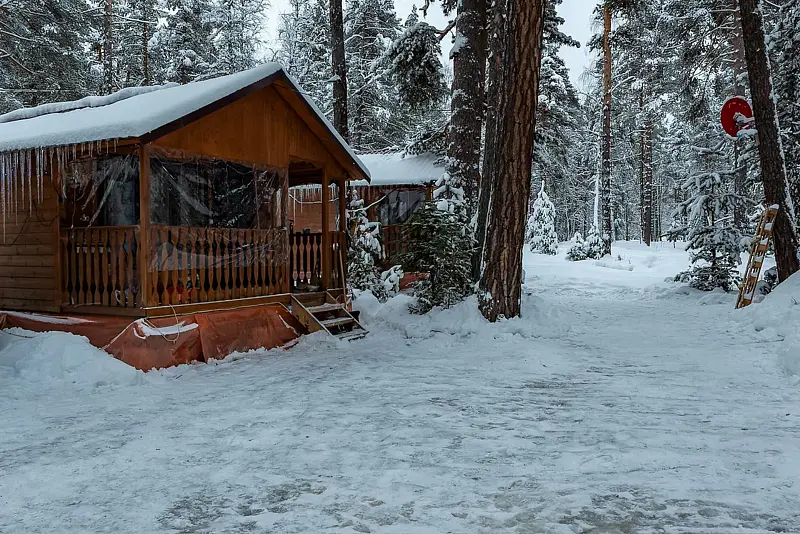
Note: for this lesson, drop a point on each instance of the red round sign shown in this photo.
(736, 115)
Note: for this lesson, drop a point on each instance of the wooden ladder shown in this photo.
(330, 315)
(758, 250)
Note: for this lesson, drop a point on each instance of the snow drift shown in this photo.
(53, 360)
(539, 318)
(777, 318)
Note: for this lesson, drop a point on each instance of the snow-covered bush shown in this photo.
(594, 244)
(577, 251)
(541, 231)
(714, 242)
(438, 244)
(365, 250)
(390, 279)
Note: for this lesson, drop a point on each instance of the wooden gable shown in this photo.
(260, 128)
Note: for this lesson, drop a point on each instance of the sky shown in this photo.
(577, 14)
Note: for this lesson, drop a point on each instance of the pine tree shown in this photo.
(787, 90)
(577, 250)
(43, 52)
(714, 244)
(438, 246)
(773, 166)
(185, 46)
(304, 36)
(595, 246)
(541, 230)
(365, 250)
(369, 26)
(509, 150)
(137, 21)
(417, 67)
(239, 22)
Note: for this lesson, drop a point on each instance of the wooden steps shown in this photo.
(321, 311)
(747, 289)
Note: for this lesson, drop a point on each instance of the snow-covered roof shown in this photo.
(134, 113)
(399, 169)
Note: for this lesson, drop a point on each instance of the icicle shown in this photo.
(13, 191)
(29, 183)
(3, 191)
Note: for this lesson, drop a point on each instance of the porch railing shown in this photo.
(190, 265)
(98, 266)
(305, 259)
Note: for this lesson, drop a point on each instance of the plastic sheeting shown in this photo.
(214, 193)
(102, 191)
(170, 341)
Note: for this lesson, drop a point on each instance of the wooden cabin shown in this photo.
(399, 184)
(175, 199)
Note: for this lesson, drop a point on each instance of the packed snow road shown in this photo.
(619, 403)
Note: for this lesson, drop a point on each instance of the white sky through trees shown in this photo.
(577, 13)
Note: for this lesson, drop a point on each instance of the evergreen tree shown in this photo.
(370, 25)
(595, 248)
(365, 250)
(439, 246)
(137, 21)
(714, 244)
(43, 52)
(239, 24)
(417, 67)
(541, 226)
(304, 35)
(184, 45)
(577, 250)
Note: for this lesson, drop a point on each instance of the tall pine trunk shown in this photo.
(510, 172)
(739, 71)
(606, 229)
(496, 30)
(466, 121)
(339, 68)
(647, 167)
(773, 167)
(108, 46)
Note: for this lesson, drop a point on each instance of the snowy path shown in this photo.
(648, 415)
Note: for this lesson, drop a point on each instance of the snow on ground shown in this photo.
(618, 404)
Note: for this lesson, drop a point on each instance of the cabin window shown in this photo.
(397, 206)
(213, 194)
(102, 191)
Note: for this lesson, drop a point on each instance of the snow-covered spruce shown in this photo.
(439, 245)
(541, 231)
(366, 250)
(713, 242)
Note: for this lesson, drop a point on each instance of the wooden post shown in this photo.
(59, 275)
(326, 236)
(144, 226)
(287, 243)
(343, 231)
(343, 206)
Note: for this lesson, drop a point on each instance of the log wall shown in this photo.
(29, 272)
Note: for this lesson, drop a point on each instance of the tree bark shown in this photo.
(497, 30)
(647, 165)
(739, 72)
(108, 47)
(339, 69)
(606, 230)
(510, 172)
(466, 121)
(773, 167)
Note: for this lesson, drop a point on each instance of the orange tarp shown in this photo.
(168, 341)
